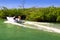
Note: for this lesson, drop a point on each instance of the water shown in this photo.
(55, 25)
(13, 32)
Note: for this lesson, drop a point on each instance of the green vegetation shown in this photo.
(13, 32)
(48, 14)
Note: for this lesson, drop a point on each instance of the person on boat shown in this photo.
(18, 19)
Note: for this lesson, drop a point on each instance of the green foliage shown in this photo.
(58, 19)
(1, 14)
(48, 14)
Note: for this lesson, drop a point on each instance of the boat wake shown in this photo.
(35, 25)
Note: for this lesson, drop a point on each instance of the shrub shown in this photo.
(58, 19)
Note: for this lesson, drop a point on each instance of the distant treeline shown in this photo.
(48, 14)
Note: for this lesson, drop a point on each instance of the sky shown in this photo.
(29, 3)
